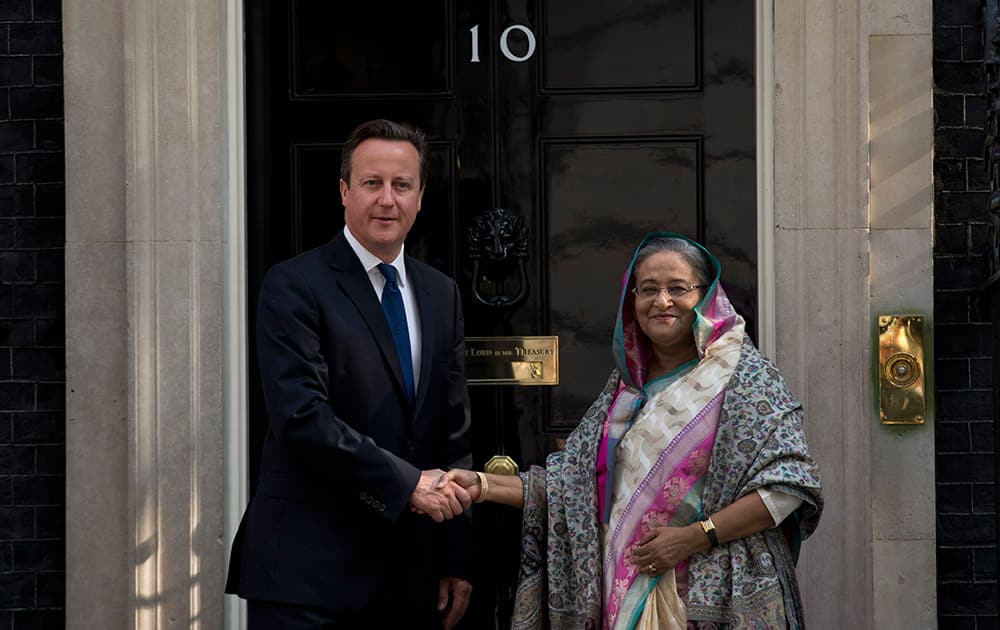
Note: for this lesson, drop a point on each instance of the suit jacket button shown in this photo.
(364, 495)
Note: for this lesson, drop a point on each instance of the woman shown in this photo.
(680, 499)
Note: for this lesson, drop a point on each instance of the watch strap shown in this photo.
(709, 528)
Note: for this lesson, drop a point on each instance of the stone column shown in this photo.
(902, 281)
(144, 258)
(821, 258)
(853, 136)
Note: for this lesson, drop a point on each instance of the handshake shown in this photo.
(444, 495)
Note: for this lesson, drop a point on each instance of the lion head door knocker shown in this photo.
(498, 242)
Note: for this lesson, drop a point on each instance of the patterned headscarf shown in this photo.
(714, 315)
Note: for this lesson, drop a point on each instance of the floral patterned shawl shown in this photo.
(757, 440)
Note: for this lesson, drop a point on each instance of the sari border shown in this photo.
(695, 424)
(699, 430)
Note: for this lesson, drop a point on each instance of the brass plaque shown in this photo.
(512, 360)
(901, 369)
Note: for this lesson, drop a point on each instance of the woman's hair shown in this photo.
(693, 255)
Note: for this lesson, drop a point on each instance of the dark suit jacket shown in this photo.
(344, 449)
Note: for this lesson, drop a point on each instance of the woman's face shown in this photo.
(667, 321)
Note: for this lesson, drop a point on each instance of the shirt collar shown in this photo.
(370, 261)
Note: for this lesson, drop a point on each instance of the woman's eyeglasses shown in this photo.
(650, 292)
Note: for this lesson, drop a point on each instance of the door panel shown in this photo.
(341, 50)
(588, 244)
(616, 47)
(629, 116)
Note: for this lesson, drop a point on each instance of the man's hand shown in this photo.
(464, 478)
(459, 591)
(439, 501)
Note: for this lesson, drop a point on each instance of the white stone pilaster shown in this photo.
(822, 289)
(852, 114)
(97, 462)
(156, 263)
(902, 279)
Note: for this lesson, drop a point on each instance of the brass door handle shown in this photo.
(501, 465)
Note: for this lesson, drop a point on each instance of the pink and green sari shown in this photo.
(658, 443)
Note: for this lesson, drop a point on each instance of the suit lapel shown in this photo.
(354, 282)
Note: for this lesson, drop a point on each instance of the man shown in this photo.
(362, 363)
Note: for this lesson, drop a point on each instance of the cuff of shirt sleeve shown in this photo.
(778, 503)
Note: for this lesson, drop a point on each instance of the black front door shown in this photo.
(561, 131)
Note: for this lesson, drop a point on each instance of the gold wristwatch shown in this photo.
(709, 528)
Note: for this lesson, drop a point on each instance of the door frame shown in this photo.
(764, 79)
(236, 483)
(235, 372)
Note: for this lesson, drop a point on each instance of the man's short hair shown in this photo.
(385, 130)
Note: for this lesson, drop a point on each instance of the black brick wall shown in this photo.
(965, 468)
(32, 333)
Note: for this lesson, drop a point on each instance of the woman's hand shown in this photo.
(663, 547)
(502, 489)
(464, 478)
(440, 501)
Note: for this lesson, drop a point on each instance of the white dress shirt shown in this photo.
(779, 504)
(371, 262)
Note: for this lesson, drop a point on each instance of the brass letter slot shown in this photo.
(901, 381)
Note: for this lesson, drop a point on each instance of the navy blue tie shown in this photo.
(395, 315)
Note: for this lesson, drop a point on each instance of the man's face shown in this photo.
(383, 197)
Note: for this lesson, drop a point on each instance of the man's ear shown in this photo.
(344, 187)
